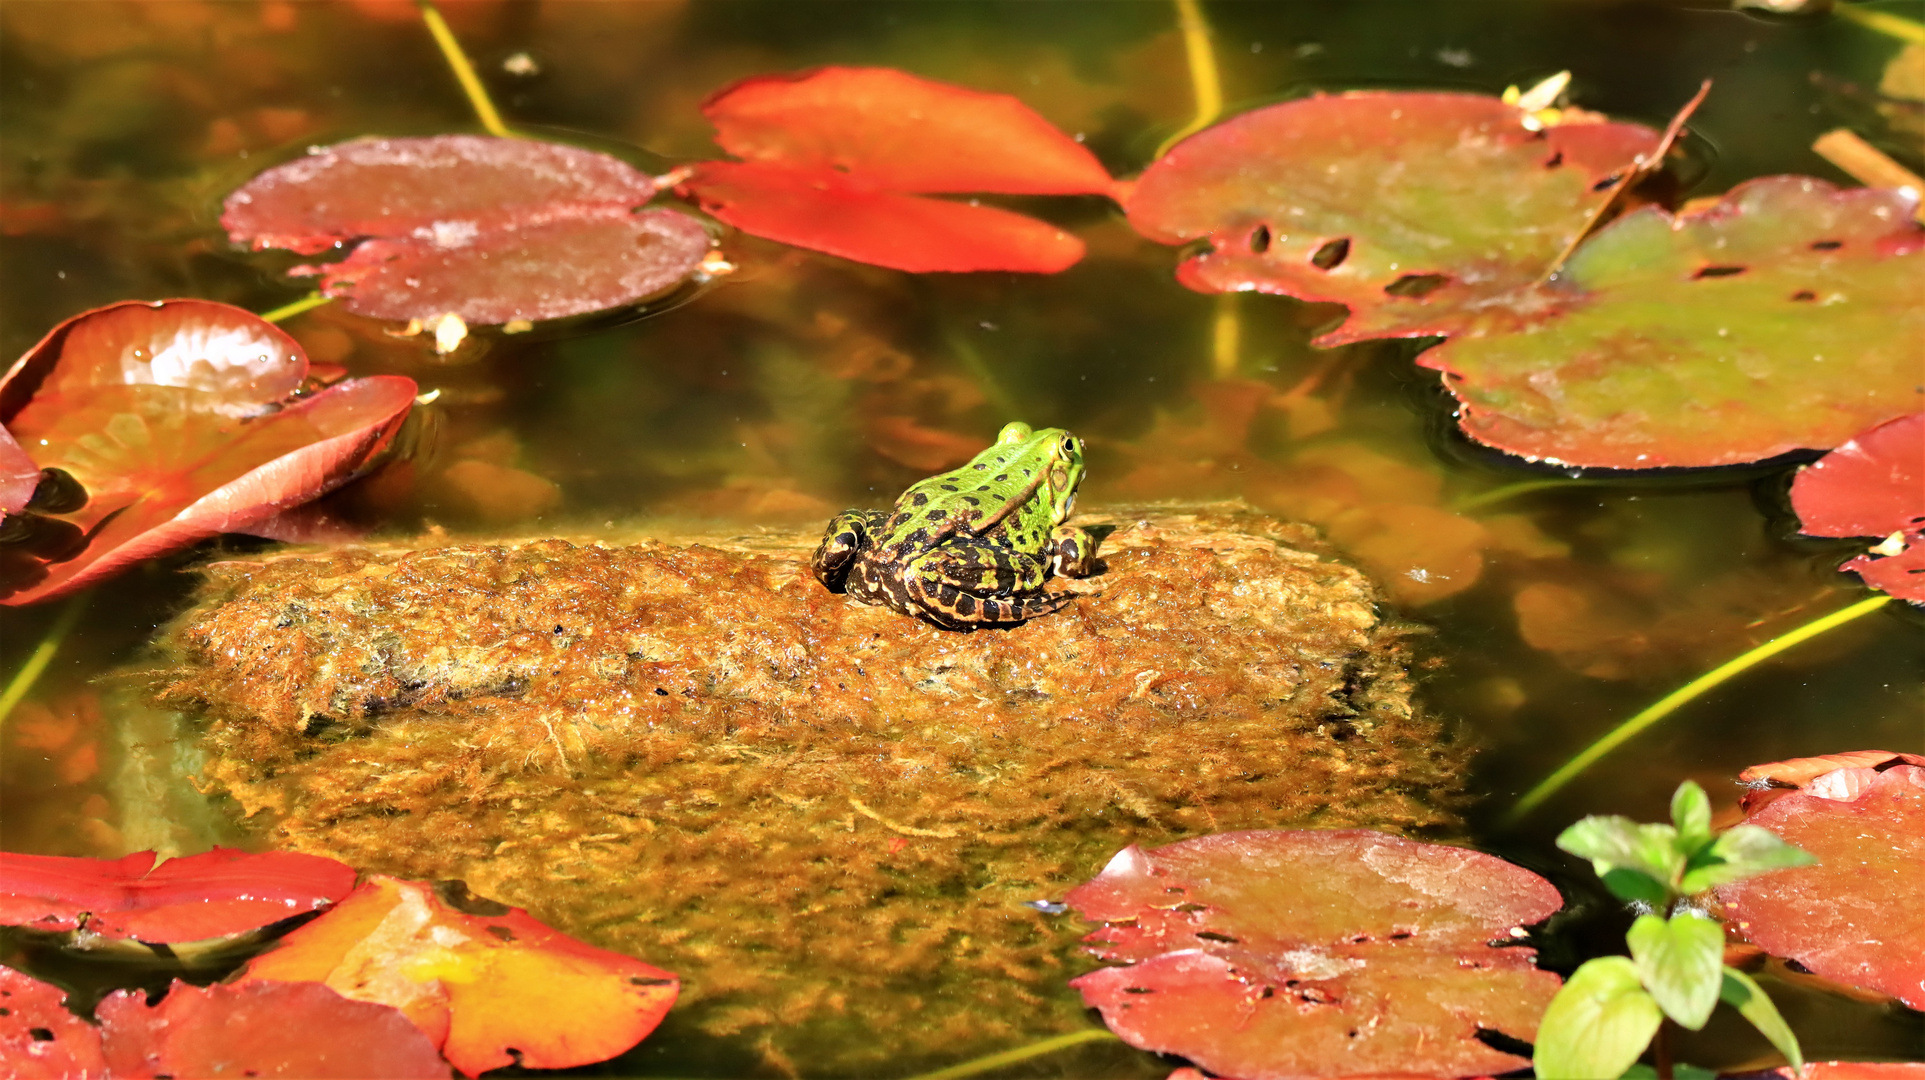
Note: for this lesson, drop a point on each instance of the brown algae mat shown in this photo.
(828, 818)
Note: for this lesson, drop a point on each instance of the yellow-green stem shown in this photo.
(1522, 487)
(1021, 1053)
(1206, 85)
(1884, 22)
(289, 310)
(1226, 336)
(43, 654)
(1670, 703)
(464, 71)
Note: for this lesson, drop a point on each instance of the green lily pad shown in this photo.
(1785, 316)
(1411, 208)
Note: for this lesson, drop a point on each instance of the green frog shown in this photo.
(973, 545)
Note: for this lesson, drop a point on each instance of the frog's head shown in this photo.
(1055, 458)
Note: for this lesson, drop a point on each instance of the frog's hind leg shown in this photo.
(958, 587)
(840, 543)
(1072, 551)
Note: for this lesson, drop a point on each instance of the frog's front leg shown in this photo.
(1072, 551)
(840, 543)
(963, 585)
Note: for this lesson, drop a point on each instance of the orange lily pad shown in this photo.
(213, 894)
(1288, 953)
(476, 985)
(1873, 485)
(1858, 915)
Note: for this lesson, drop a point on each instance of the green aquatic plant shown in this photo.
(1613, 1007)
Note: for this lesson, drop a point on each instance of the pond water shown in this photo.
(802, 384)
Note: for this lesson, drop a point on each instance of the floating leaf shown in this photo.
(1286, 953)
(1872, 485)
(262, 1029)
(1784, 316)
(1845, 774)
(39, 1038)
(1411, 208)
(477, 985)
(838, 159)
(1858, 916)
(1840, 1070)
(212, 894)
(489, 229)
(175, 418)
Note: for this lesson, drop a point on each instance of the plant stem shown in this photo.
(1522, 487)
(1206, 85)
(1021, 1053)
(43, 654)
(1226, 334)
(464, 71)
(1884, 22)
(1672, 701)
(289, 310)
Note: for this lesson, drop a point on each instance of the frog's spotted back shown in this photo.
(973, 545)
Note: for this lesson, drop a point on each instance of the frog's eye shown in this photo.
(1069, 446)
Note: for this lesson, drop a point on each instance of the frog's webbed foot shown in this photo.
(1072, 551)
(840, 543)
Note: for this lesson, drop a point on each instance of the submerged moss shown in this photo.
(827, 818)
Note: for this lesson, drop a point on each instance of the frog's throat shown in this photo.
(977, 528)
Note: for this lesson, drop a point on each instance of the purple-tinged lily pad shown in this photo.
(489, 229)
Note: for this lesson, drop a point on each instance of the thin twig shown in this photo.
(1671, 702)
(43, 654)
(289, 310)
(1642, 164)
(1206, 84)
(464, 71)
(1021, 1053)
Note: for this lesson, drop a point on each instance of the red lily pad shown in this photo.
(262, 1029)
(212, 894)
(1291, 953)
(178, 420)
(1769, 781)
(1873, 485)
(1782, 317)
(476, 985)
(1411, 208)
(39, 1038)
(489, 229)
(837, 160)
(1858, 915)
(1840, 1070)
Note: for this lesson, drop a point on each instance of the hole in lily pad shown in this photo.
(1717, 272)
(1804, 295)
(1260, 240)
(1332, 254)
(1827, 245)
(1416, 286)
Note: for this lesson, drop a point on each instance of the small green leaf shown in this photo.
(1618, 842)
(1598, 1024)
(1636, 886)
(1691, 816)
(1679, 1071)
(1742, 994)
(1742, 851)
(1679, 959)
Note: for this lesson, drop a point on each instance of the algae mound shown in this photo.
(826, 817)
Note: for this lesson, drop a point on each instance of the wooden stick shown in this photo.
(1868, 165)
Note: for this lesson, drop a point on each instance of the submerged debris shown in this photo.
(827, 817)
